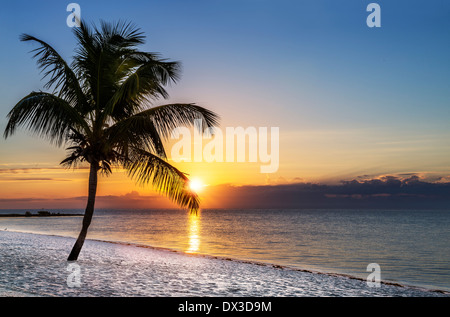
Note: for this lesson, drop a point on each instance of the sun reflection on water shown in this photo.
(194, 233)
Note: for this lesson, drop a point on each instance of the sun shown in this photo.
(196, 185)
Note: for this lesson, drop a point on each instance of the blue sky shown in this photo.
(334, 86)
(290, 53)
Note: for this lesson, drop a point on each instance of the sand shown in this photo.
(35, 265)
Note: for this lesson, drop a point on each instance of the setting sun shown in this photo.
(196, 185)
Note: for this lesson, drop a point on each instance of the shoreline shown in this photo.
(271, 266)
(277, 266)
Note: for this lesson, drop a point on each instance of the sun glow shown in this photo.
(196, 185)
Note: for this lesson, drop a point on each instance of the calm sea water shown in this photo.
(411, 247)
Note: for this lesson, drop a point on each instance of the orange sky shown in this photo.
(309, 156)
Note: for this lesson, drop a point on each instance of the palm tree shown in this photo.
(102, 108)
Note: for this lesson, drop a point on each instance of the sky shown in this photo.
(351, 102)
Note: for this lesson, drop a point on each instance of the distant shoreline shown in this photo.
(40, 214)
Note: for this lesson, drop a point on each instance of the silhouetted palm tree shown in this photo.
(101, 107)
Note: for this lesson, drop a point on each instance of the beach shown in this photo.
(35, 265)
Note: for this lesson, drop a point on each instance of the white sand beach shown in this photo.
(35, 265)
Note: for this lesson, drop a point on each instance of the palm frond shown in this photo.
(168, 117)
(46, 115)
(145, 167)
(166, 71)
(123, 34)
(144, 129)
(136, 131)
(147, 75)
(77, 152)
(62, 77)
(100, 58)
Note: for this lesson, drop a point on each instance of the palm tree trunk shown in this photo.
(88, 213)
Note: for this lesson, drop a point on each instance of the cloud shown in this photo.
(378, 193)
(32, 174)
(14, 179)
(20, 170)
(27, 170)
(133, 194)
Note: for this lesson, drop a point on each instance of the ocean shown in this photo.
(411, 247)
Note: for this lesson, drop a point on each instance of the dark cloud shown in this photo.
(385, 192)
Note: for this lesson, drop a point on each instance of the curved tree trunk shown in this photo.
(88, 213)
